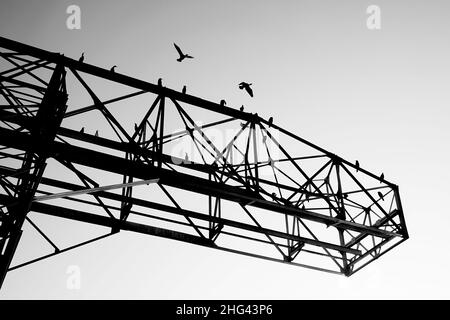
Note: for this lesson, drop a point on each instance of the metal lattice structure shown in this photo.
(83, 143)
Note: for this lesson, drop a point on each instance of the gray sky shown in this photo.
(380, 96)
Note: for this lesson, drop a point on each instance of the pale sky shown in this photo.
(380, 96)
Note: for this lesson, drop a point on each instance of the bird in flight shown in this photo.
(182, 55)
(246, 86)
(81, 58)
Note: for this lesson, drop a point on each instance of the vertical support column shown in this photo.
(214, 210)
(404, 230)
(125, 206)
(161, 131)
(255, 157)
(42, 133)
(341, 215)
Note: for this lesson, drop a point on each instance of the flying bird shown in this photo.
(182, 55)
(246, 86)
(112, 69)
(81, 58)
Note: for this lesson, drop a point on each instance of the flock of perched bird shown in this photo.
(243, 86)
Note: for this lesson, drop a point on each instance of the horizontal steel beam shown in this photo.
(179, 180)
(101, 220)
(92, 190)
(197, 215)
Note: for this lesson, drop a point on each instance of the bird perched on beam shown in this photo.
(82, 130)
(246, 86)
(182, 55)
(96, 133)
(241, 108)
(184, 90)
(270, 121)
(380, 195)
(81, 58)
(223, 103)
(381, 177)
(357, 165)
(112, 69)
(160, 82)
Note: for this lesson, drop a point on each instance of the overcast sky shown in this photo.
(380, 96)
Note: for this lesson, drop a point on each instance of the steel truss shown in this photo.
(182, 168)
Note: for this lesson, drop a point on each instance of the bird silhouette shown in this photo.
(270, 121)
(223, 103)
(184, 90)
(82, 130)
(381, 177)
(96, 133)
(81, 58)
(357, 165)
(241, 108)
(112, 69)
(135, 127)
(380, 195)
(303, 207)
(160, 82)
(182, 55)
(246, 86)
